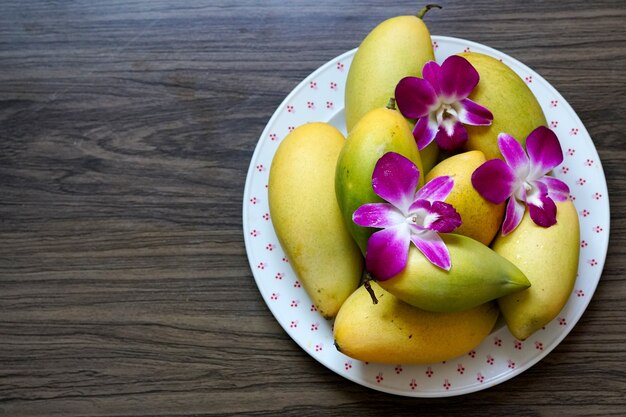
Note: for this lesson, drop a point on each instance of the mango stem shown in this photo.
(369, 289)
(426, 8)
(391, 104)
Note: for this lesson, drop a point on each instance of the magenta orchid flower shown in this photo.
(439, 102)
(408, 216)
(523, 179)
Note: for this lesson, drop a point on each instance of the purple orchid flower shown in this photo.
(440, 102)
(409, 216)
(522, 178)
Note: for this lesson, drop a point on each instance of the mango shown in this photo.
(478, 275)
(380, 131)
(393, 332)
(515, 109)
(481, 218)
(396, 48)
(307, 219)
(549, 258)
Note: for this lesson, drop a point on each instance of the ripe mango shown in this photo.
(396, 48)
(307, 219)
(380, 131)
(481, 218)
(393, 332)
(549, 258)
(515, 109)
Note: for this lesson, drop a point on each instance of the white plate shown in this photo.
(320, 97)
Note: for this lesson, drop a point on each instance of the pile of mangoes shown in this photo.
(425, 314)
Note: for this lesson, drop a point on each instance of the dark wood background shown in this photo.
(126, 130)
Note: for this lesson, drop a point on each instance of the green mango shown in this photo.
(515, 109)
(478, 275)
(396, 48)
(380, 131)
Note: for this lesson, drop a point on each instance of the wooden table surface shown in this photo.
(126, 132)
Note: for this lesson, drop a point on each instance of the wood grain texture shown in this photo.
(126, 130)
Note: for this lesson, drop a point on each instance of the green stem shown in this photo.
(426, 8)
(391, 104)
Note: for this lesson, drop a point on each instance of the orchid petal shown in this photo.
(494, 180)
(425, 130)
(430, 73)
(436, 189)
(395, 179)
(433, 248)
(542, 210)
(514, 213)
(387, 251)
(544, 151)
(514, 155)
(451, 135)
(472, 113)
(557, 189)
(457, 79)
(380, 215)
(415, 97)
(443, 218)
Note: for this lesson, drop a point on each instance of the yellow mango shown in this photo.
(393, 332)
(549, 259)
(515, 109)
(396, 48)
(481, 218)
(307, 219)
